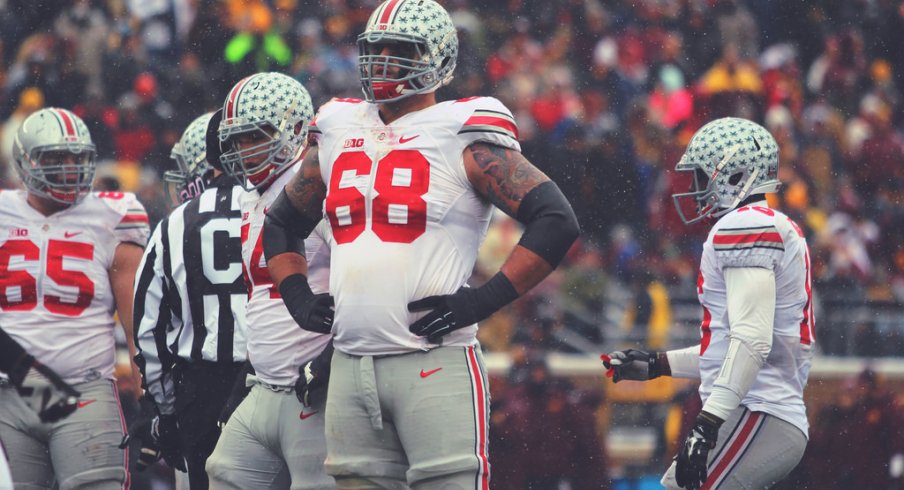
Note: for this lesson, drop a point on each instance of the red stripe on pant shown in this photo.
(740, 442)
(480, 410)
(122, 420)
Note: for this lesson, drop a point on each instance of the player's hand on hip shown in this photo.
(313, 378)
(446, 314)
(43, 390)
(465, 307)
(165, 432)
(690, 468)
(631, 365)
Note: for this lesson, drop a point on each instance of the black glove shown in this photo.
(149, 453)
(165, 432)
(632, 365)
(313, 377)
(43, 390)
(312, 312)
(466, 307)
(690, 471)
(239, 391)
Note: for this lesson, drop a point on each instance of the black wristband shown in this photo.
(295, 290)
(654, 366)
(285, 228)
(550, 224)
(709, 421)
(479, 303)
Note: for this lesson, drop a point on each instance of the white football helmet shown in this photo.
(54, 155)
(426, 50)
(190, 154)
(265, 108)
(731, 159)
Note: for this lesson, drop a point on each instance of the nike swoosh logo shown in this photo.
(303, 415)
(424, 374)
(83, 404)
(70, 235)
(403, 140)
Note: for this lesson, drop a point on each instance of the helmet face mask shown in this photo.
(264, 128)
(54, 156)
(190, 154)
(731, 159)
(423, 50)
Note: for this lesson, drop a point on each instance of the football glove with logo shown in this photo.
(690, 469)
(43, 390)
(313, 378)
(165, 432)
(466, 307)
(312, 312)
(633, 365)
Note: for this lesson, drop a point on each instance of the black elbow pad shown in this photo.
(550, 224)
(285, 228)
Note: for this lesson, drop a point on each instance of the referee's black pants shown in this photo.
(202, 388)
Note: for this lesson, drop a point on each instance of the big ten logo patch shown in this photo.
(354, 143)
(18, 232)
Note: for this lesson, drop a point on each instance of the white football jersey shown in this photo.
(55, 293)
(406, 221)
(757, 236)
(277, 346)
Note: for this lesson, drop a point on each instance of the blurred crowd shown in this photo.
(606, 95)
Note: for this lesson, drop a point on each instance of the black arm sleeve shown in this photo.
(551, 226)
(285, 228)
(11, 353)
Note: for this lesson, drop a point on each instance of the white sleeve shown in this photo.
(685, 363)
(151, 318)
(751, 312)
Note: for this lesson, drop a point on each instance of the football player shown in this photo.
(408, 186)
(757, 332)
(68, 258)
(275, 438)
(190, 307)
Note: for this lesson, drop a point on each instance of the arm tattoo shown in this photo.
(306, 190)
(505, 176)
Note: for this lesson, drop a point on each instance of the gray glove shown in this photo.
(632, 365)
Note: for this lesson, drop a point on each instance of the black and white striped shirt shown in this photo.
(189, 292)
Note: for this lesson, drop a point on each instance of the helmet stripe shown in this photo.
(390, 10)
(68, 125)
(233, 98)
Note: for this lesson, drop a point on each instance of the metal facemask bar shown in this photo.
(45, 180)
(282, 148)
(706, 197)
(415, 74)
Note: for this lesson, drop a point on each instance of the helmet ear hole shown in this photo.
(735, 177)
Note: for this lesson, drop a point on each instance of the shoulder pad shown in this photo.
(486, 119)
(748, 237)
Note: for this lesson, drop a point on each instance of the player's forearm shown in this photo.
(285, 265)
(525, 269)
(751, 312)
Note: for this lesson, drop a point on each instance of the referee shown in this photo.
(190, 307)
